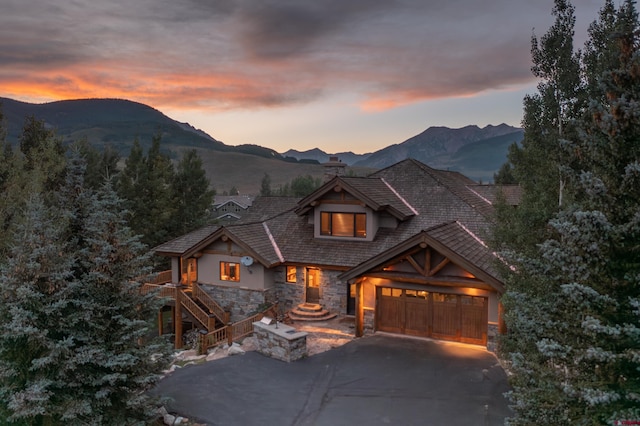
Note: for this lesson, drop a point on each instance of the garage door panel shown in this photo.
(417, 319)
(445, 316)
(474, 319)
(391, 310)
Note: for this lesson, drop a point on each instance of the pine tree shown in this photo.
(102, 166)
(74, 345)
(265, 186)
(572, 305)
(192, 195)
(146, 186)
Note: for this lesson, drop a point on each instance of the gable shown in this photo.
(373, 193)
(447, 254)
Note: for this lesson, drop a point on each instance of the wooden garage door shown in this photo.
(444, 316)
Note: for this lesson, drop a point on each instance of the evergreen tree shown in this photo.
(302, 186)
(102, 166)
(42, 151)
(74, 346)
(265, 187)
(572, 305)
(146, 186)
(193, 197)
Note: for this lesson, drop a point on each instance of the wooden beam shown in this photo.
(417, 267)
(449, 281)
(359, 309)
(439, 267)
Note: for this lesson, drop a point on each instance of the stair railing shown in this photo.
(204, 298)
(197, 312)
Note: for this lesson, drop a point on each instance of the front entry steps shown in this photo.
(310, 312)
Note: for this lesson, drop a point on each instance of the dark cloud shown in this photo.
(277, 29)
(247, 53)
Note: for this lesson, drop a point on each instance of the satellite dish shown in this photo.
(246, 260)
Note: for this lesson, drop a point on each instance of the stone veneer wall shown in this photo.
(240, 302)
(333, 295)
(333, 292)
(492, 337)
(272, 343)
(369, 321)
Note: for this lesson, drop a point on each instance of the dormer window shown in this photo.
(337, 224)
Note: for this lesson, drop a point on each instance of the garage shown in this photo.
(446, 316)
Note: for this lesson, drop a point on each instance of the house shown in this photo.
(401, 250)
(229, 208)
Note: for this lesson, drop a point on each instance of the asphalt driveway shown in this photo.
(375, 380)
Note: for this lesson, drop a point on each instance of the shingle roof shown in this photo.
(243, 201)
(511, 194)
(181, 245)
(278, 231)
(457, 238)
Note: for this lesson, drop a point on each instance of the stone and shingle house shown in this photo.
(402, 250)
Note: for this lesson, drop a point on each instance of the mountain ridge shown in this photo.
(474, 151)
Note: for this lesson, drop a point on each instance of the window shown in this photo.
(229, 271)
(343, 224)
(291, 274)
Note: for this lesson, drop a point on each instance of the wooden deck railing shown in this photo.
(211, 304)
(163, 290)
(230, 333)
(161, 278)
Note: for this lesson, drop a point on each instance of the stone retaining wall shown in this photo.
(240, 302)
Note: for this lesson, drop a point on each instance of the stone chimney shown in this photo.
(333, 167)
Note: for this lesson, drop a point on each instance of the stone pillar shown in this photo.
(359, 309)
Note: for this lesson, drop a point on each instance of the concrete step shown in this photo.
(310, 312)
(309, 307)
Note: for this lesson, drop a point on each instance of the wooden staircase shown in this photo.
(310, 312)
(193, 304)
(202, 307)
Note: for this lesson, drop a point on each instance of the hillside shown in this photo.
(103, 122)
(435, 146)
(475, 152)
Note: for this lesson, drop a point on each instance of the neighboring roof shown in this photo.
(243, 201)
(228, 215)
(264, 208)
(278, 230)
(179, 246)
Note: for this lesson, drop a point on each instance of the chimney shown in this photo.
(333, 167)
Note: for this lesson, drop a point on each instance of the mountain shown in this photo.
(114, 122)
(436, 145)
(349, 158)
(475, 152)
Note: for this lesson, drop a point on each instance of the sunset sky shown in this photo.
(340, 75)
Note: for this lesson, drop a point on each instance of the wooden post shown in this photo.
(229, 335)
(160, 322)
(177, 319)
(359, 308)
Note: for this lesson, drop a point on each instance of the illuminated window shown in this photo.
(343, 224)
(291, 274)
(229, 271)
